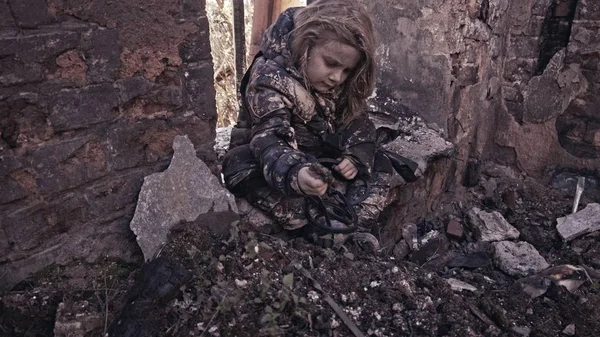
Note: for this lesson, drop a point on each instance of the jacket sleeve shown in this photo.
(273, 141)
(359, 143)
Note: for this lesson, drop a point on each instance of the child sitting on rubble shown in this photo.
(303, 99)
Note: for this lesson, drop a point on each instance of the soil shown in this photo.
(252, 284)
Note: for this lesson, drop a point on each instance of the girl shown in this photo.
(303, 98)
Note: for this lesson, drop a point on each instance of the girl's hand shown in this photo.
(310, 183)
(346, 168)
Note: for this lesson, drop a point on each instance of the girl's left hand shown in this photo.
(346, 168)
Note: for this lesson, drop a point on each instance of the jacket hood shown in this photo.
(276, 42)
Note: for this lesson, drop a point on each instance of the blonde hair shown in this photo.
(345, 21)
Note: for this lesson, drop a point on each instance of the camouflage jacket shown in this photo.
(282, 126)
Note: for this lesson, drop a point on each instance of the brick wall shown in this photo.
(514, 82)
(92, 93)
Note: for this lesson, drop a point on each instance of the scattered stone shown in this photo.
(522, 330)
(569, 330)
(574, 225)
(518, 258)
(471, 261)
(455, 230)
(458, 285)
(422, 145)
(185, 192)
(74, 319)
(491, 226)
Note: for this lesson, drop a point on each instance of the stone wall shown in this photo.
(92, 93)
(511, 81)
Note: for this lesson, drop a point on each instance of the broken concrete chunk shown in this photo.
(185, 192)
(518, 258)
(76, 319)
(574, 225)
(489, 227)
(455, 230)
(422, 145)
(458, 285)
(569, 330)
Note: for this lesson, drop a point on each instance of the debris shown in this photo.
(433, 249)
(76, 319)
(336, 308)
(569, 330)
(578, 192)
(410, 235)
(522, 330)
(455, 230)
(471, 261)
(184, 192)
(518, 258)
(458, 285)
(568, 276)
(574, 225)
(489, 227)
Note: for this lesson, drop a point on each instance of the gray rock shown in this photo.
(422, 145)
(518, 258)
(184, 192)
(569, 330)
(76, 319)
(522, 330)
(489, 227)
(574, 225)
(458, 285)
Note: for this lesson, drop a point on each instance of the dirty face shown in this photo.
(329, 64)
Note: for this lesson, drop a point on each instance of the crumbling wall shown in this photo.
(511, 81)
(92, 93)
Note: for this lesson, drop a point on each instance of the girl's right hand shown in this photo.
(310, 183)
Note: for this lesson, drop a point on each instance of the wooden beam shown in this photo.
(239, 37)
(265, 14)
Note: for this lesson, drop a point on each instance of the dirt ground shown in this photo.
(253, 284)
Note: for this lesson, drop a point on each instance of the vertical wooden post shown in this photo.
(239, 41)
(265, 13)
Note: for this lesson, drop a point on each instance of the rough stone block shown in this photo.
(76, 318)
(519, 69)
(455, 229)
(102, 52)
(583, 222)
(68, 164)
(124, 148)
(491, 226)
(11, 191)
(186, 192)
(117, 193)
(584, 38)
(14, 72)
(38, 47)
(198, 98)
(6, 19)
(38, 224)
(549, 95)
(30, 13)
(9, 163)
(588, 10)
(132, 87)
(518, 258)
(196, 47)
(524, 46)
(78, 108)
